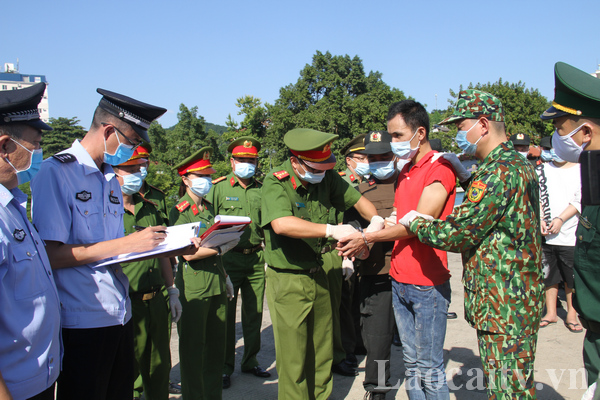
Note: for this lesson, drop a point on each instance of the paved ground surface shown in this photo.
(558, 366)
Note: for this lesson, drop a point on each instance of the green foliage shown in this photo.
(64, 132)
(333, 94)
(522, 108)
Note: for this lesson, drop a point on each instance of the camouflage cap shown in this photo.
(474, 104)
(576, 93)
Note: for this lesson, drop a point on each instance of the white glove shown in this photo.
(229, 288)
(228, 246)
(174, 303)
(391, 220)
(339, 231)
(377, 224)
(410, 216)
(461, 171)
(347, 268)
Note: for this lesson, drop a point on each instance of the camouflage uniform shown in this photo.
(497, 231)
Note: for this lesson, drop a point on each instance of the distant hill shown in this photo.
(208, 126)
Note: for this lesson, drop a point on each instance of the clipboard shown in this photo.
(225, 229)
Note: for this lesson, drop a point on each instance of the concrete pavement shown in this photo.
(558, 366)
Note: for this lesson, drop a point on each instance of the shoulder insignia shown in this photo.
(84, 195)
(294, 183)
(476, 191)
(372, 182)
(232, 181)
(218, 179)
(195, 209)
(342, 173)
(65, 157)
(182, 206)
(281, 174)
(352, 177)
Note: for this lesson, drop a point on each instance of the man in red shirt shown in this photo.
(420, 276)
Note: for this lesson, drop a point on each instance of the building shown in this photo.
(597, 73)
(11, 79)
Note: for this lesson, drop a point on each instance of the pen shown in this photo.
(141, 228)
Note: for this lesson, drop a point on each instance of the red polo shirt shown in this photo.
(412, 261)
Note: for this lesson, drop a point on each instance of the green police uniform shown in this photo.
(577, 94)
(150, 312)
(297, 287)
(202, 327)
(156, 196)
(244, 265)
(350, 177)
(497, 231)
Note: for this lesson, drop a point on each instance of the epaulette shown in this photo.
(218, 179)
(281, 174)
(155, 188)
(342, 173)
(182, 206)
(65, 157)
(352, 178)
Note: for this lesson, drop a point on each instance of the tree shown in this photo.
(333, 94)
(64, 132)
(522, 108)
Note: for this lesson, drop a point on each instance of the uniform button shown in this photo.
(104, 215)
(580, 237)
(29, 254)
(215, 264)
(115, 212)
(51, 360)
(49, 273)
(86, 212)
(116, 270)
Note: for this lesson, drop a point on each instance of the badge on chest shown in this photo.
(83, 195)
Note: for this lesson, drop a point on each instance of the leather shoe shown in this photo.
(174, 388)
(451, 315)
(226, 381)
(351, 360)
(258, 371)
(344, 369)
(374, 396)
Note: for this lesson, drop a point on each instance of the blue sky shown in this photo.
(207, 54)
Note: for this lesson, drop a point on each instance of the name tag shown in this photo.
(232, 198)
(300, 205)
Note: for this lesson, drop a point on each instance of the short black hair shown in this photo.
(13, 130)
(102, 116)
(413, 113)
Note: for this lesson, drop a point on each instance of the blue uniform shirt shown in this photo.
(76, 203)
(30, 346)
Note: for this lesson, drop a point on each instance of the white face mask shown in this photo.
(565, 147)
(524, 153)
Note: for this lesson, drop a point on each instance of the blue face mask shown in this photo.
(555, 157)
(547, 155)
(144, 172)
(312, 177)
(462, 142)
(201, 186)
(403, 151)
(132, 183)
(245, 170)
(362, 169)
(35, 162)
(123, 153)
(382, 169)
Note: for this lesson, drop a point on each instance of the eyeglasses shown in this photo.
(362, 159)
(310, 169)
(132, 143)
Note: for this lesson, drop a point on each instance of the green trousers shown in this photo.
(300, 309)
(508, 365)
(247, 274)
(202, 329)
(332, 265)
(591, 355)
(151, 342)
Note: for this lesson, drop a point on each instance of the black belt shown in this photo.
(144, 295)
(590, 325)
(249, 250)
(296, 271)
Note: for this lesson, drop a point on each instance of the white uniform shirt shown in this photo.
(30, 346)
(76, 203)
